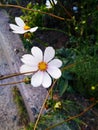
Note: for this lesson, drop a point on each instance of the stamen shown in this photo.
(26, 27)
(42, 66)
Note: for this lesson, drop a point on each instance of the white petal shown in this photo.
(55, 62)
(46, 80)
(37, 53)
(20, 31)
(37, 79)
(29, 60)
(48, 5)
(15, 27)
(54, 72)
(27, 55)
(49, 54)
(55, 1)
(33, 29)
(25, 68)
(19, 22)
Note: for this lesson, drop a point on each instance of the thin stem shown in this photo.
(15, 74)
(69, 66)
(66, 11)
(36, 123)
(11, 83)
(20, 7)
(17, 2)
(73, 117)
(52, 29)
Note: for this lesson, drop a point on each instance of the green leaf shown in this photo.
(63, 86)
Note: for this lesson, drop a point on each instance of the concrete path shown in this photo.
(8, 111)
(10, 63)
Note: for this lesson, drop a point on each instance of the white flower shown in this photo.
(48, 4)
(43, 66)
(21, 27)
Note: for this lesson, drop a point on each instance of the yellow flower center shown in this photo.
(42, 66)
(26, 27)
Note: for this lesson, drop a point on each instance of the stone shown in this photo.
(9, 64)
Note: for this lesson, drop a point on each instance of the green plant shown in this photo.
(68, 57)
(34, 18)
(86, 71)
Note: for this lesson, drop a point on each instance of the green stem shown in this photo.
(51, 29)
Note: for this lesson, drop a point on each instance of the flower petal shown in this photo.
(55, 62)
(49, 54)
(46, 80)
(20, 31)
(37, 79)
(37, 53)
(33, 29)
(15, 27)
(48, 5)
(19, 22)
(54, 72)
(25, 68)
(29, 60)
